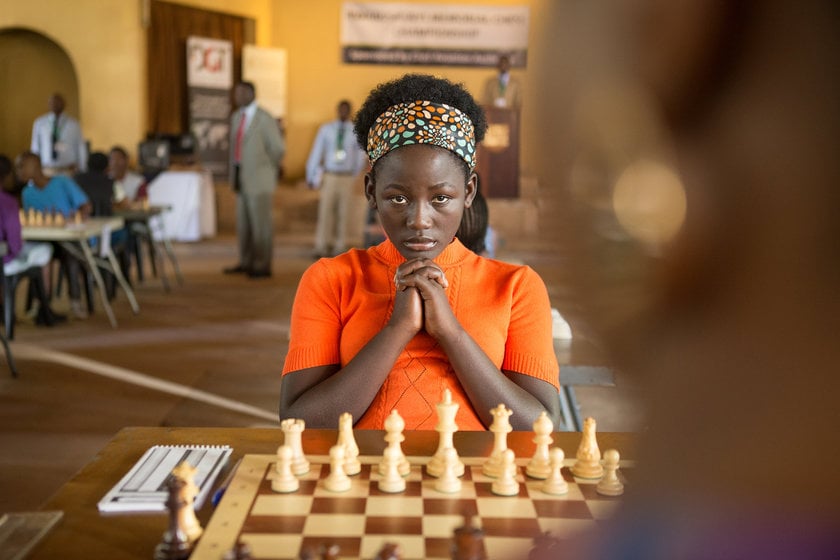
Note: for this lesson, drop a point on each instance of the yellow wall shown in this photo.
(106, 42)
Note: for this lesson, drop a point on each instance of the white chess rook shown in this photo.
(446, 427)
(292, 430)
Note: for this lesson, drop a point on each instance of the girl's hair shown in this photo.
(473, 229)
(418, 87)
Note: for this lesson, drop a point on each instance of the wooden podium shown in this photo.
(498, 155)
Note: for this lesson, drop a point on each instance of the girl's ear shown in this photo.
(370, 191)
(471, 190)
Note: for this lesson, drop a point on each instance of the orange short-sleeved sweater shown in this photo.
(343, 302)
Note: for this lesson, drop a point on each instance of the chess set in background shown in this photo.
(37, 218)
(289, 505)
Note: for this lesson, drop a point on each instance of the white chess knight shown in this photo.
(284, 481)
(292, 430)
(394, 426)
(610, 485)
(352, 465)
(588, 464)
(555, 484)
(337, 481)
(446, 427)
(501, 428)
(539, 466)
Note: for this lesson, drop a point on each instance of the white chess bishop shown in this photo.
(540, 466)
(501, 428)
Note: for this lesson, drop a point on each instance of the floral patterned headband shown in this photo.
(422, 122)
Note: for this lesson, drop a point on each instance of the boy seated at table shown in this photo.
(392, 326)
(23, 256)
(101, 190)
(59, 194)
(129, 187)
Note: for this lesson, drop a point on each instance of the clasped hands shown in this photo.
(421, 301)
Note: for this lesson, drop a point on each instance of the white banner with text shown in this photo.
(433, 34)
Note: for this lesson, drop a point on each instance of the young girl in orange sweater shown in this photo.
(392, 326)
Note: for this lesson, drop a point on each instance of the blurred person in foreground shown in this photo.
(734, 327)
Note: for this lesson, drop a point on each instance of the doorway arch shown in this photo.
(32, 67)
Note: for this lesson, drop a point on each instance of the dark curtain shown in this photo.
(170, 25)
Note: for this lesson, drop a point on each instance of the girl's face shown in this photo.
(420, 196)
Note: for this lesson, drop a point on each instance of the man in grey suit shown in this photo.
(256, 148)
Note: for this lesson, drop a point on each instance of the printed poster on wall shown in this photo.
(209, 81)
(266, 68)
(433, 34)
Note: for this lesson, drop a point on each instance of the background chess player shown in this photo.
(393, 326)
(725, 115)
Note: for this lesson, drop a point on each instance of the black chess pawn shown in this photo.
(468, 542)
(546, 547)
(174, 545)
(240, 551)
(389, 551)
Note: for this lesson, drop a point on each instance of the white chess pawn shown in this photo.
(448, 482)
(394, 426)
(352, 465)
(391, 481)
(588, 464)
(555, 484)
(500, 428)
(284, 481)
(539, 465)
(610, 485)
(505, 484)
(292, 430)
(446, 427)
(337, 481)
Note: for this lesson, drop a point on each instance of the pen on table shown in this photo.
(217, 495)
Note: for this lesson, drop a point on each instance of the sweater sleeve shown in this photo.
(315, 330)
(529, 349)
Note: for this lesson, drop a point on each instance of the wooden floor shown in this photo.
(209, 353)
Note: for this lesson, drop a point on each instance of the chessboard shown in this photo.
(420, 519)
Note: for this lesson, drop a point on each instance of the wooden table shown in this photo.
(84, 533)
(74, 238)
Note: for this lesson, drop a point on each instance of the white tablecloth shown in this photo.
(192, 199)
